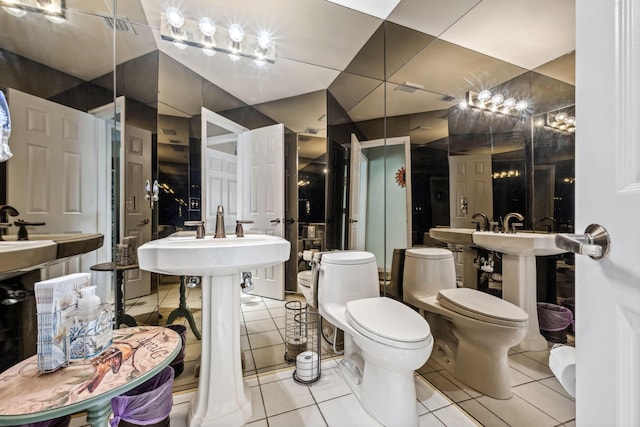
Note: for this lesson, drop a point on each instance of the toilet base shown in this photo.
(389, 397)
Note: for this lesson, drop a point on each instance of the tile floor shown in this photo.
(538, 399)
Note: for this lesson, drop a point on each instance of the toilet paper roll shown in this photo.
(562, 362)
(295, 346)
(308, 255)
(307, 366)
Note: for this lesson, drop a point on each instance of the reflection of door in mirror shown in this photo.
(136, 152)
(53, 177)
(257, 192)
(380, 197)
(470, 188)
(544, 181)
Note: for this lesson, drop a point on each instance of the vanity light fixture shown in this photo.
(53, 10)
(556, 121)
(202, 33)
(496, 103)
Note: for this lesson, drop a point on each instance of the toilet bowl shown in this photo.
(473, 331)
(304, 286)
(384, 340)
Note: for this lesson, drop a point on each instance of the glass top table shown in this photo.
(136, 355)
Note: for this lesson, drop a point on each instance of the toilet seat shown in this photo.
(348, 257)
(428, 253)
(481, 306)
(388, 322)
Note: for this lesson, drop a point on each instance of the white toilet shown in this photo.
(473, 330)
(385, 341)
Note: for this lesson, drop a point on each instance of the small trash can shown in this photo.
(148, 404)
(554, 321)
(178, 363)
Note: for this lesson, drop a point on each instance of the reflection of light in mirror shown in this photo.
(175, 18)
(207, 26)
(560, 122)
(53, 10)
(569, 180)
(496, 103)
(506, 174)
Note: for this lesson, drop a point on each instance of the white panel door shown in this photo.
(261, 178)
(357, 197)
(221, 174)
(608, 193)
(137, 210)
(52, 177)
(471, 189)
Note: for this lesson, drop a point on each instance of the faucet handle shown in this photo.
(23, 234)
(199, 224)
(239, 229)
(514, 225)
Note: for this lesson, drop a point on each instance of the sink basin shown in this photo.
(25, 255)
(523, 244)
(454, 236)
(68, 244)
(223, 398)
(186, 255)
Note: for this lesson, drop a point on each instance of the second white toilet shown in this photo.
(473, 330)
(384, 340)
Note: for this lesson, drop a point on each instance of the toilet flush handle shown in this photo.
(595, 242)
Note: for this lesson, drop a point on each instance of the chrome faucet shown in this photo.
(507, 220)
(219, 223)
(485, 221)
(5, 211)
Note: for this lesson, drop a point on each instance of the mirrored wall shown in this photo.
(402, 84)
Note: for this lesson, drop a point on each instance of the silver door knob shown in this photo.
(595, 242)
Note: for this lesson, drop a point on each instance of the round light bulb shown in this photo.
(463, 105)
(561, 117)
(484, 95)
(571, 120)
(264, 41)
(509, 103)
(497, 99)
(175, 18)
(207, 26)
(539, 123)
(236, 33)
(522, 105)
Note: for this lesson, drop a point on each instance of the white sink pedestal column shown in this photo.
(223, 398)
(519, 287)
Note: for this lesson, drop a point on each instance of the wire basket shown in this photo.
(308, 361)
(295, 337)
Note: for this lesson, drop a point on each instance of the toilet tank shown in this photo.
(346, 276)
(427, 271)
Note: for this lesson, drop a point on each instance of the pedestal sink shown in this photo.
(222, 399)
(519, 273)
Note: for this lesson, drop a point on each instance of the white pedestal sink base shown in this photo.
(223, 399)
(520, 288)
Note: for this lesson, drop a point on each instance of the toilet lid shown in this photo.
(388, 322)
(304, 277)
(347, 257)
(482, 306)
(428, 253)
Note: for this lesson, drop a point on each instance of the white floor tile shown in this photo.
(285, 395)
(346, 412)
(330, 385)
(484, 416)
(270, 377)
(530, 367)
(554, 384)
(257, 405)
(179, 414)
(451, 390)
(260, 326)
(309, 416)
(260, 423)
(554, 404)
(517, 412)
(429, 396)
(268, 356)
(277, 311)
(518, 377)
(249, 316)
(265, 339)
(430, 420)
(453, 416)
